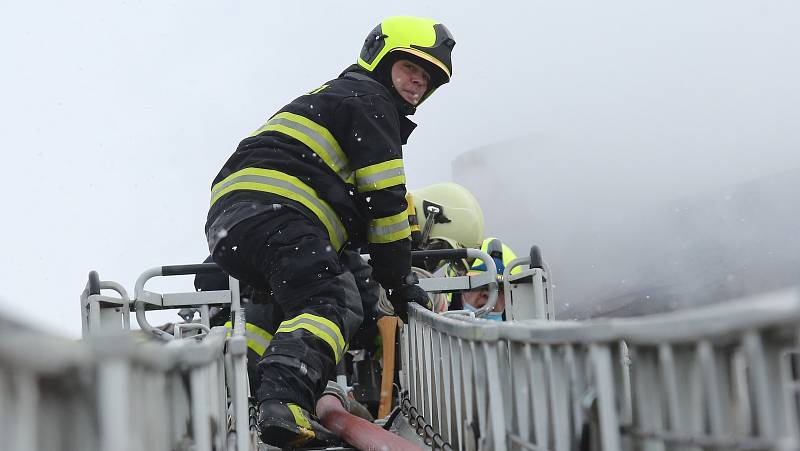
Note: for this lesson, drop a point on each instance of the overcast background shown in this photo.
(115, 116)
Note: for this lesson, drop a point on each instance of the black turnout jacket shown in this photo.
(334, 154)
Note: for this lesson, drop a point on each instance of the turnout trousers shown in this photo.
(314, 290)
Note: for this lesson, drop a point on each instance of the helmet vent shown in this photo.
(373, 45)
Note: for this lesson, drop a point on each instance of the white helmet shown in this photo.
(457, 217)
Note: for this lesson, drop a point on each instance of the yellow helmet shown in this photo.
(500, 253)
(456, 214)
(425, 41)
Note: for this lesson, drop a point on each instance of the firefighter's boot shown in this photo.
(287, 425)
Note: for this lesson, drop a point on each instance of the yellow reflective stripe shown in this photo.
(389, 229)
(290, 187)
(321, 327)
(306, 432)
(263, 334)
(318, 90)
(380, 176)
(315, 137)
(257, 338)
(411, 211)
(299, 418)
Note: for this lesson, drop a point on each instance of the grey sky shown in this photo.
(116, 115)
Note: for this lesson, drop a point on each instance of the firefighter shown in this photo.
(448, 216)
(263, 315)
(444, 216)
(293, 204)
(474, 299)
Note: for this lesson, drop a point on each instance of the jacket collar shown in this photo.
(358, 73)
(406, 127)
(404, 108)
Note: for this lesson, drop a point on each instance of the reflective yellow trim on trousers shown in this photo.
(389, 229)
(257, 338)
(290, 187)
(319, 326)
(315, 137)
(380, 176)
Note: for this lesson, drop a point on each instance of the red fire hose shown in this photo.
(358, 432)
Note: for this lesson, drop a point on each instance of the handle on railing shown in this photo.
(169, 270)
(442, 254)
(489, 278)
(429, 259)
(491, 269)
(536, 257)
(183, 270)
(94, 283)
(534, 261)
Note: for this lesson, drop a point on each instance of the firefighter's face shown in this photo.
(478, 298)
(410, 80)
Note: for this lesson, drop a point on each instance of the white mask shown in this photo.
(495, 316)
(492, 316)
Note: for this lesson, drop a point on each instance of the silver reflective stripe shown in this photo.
(262, 342)
(332, 218)
(380, 176)
(340, 167)
(317, 325)
(389, 229)
(274, 182)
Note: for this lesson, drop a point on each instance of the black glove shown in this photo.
(408, 292)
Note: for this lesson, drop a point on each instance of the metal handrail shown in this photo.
(547, 384)
(487, 279)
(142, 297)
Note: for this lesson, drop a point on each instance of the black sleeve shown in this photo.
(390, 263)
(211, 281)
(372, 141)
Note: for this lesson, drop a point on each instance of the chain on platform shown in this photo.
(423, 429)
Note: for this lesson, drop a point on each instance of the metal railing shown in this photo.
(720, 377)
(124, 390)
(112, 392)
(153, 389)
(530, 291)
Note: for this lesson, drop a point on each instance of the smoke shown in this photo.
(627, 239)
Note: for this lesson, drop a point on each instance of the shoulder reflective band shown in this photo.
(389, 229)
(322, 328)
(275, 182)
(315, 137)
(381, 175)
(257, 338)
